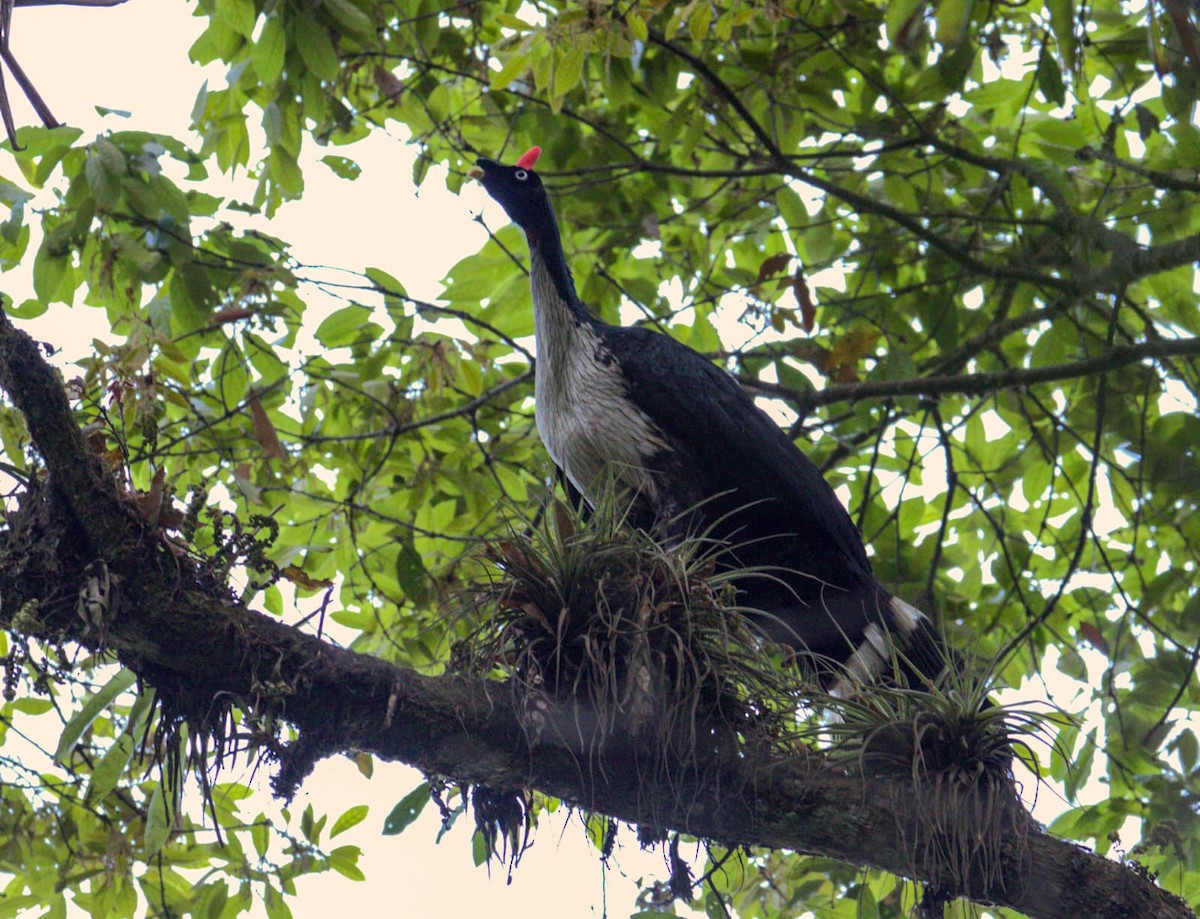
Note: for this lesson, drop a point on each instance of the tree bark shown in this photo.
(180, 630)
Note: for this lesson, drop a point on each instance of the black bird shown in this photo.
(631, 404)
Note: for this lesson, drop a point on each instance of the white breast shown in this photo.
(584, 416)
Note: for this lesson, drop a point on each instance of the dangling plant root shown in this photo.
(504, 818)
(633, 634)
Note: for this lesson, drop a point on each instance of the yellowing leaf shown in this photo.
(351, 817)
(637, 25)
(848, 350)
(297, 576)
(512, 69)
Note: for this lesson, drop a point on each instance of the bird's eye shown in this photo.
(521, 175)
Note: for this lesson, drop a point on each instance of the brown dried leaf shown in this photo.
(264, 431)
(1093, 636)
(149, 504)
(771, 266)
(562, 519)
(233, 314)
(388, 83)
(508, 555)
(297, 576)
(808, 308)
(365, 763)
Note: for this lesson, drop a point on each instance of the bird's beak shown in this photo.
(475, 172)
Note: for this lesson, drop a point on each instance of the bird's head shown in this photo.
(518, 189)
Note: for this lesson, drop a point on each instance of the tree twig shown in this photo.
(979, 383)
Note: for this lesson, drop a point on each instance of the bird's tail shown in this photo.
(901, 644)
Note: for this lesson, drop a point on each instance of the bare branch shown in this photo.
(981, 383)
(69, 2)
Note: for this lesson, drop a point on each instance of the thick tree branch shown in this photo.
(172, 627)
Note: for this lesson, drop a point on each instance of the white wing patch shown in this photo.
(869, 660)
(906, 616)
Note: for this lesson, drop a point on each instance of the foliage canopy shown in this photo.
(953, 246)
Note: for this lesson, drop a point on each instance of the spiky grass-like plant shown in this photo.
(631, 632)
(634, 636)
(947, 751)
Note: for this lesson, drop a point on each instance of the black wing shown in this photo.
(574, 495)
(733, 446)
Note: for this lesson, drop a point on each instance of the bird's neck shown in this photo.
(548, 269)
(558, 314)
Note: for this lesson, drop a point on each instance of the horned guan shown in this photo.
(680, 435)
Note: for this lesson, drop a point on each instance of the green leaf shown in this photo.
(159, 822)
(411, 573)
(31, 706)
(105, 185)
(1062, 22)
(343, 327)
(111, 767)
(480, 852)
(953, 20)
(344, 860)
(277, 907)
(511, 69)
(997, 92)
(189, 292)
(342, 166)
(16, 906)
(90, 710)
(898, 17)
(391, 288)
(270, 50)
(233, 382)
(316, 50)
(238, 15)
(1049, 79)
(637, 25)
(351, 817)
(272, 122)
(700, 20)
(260, 835)
(350, 18)
(567, 72)
(407, 810)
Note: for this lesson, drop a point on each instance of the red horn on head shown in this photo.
(529, 157)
